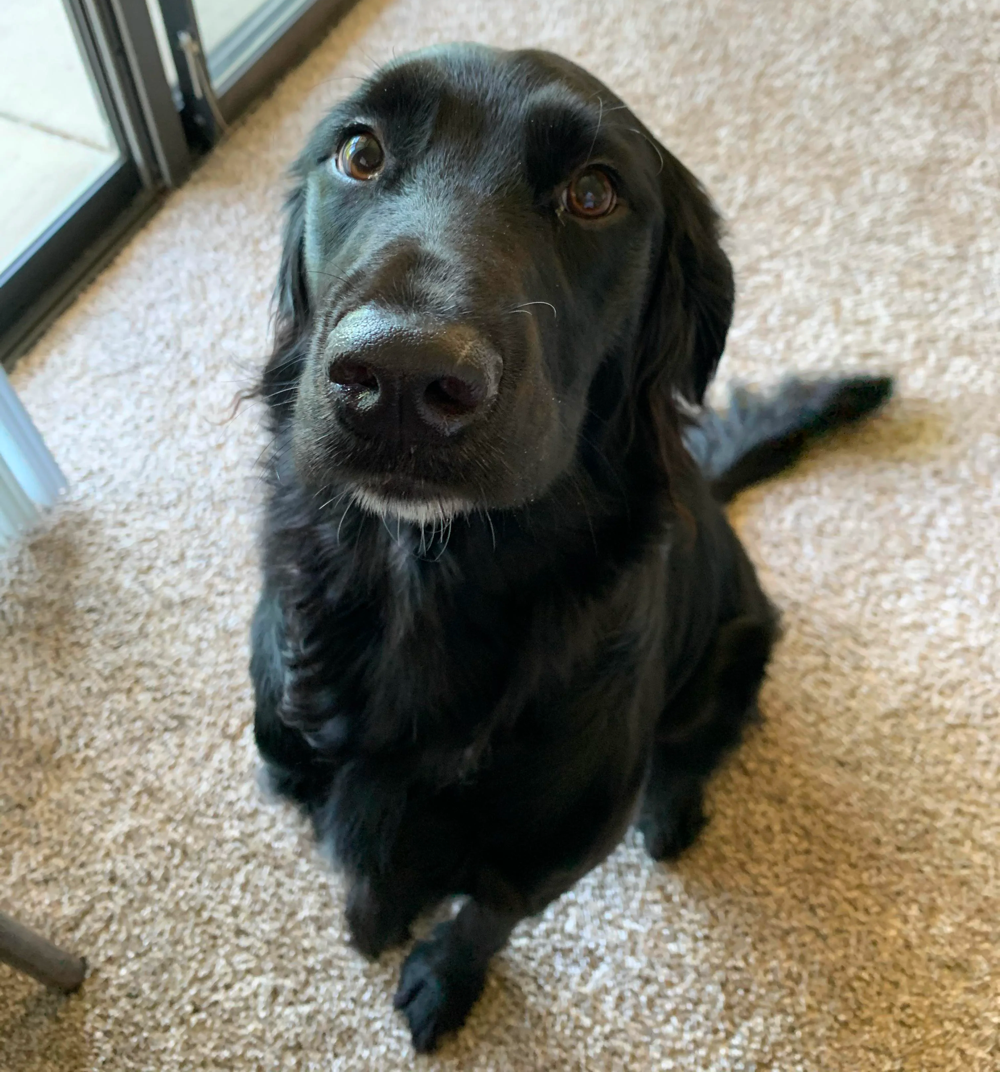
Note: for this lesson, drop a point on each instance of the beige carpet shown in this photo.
(843, 908)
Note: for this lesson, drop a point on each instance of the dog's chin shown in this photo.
(422, 511)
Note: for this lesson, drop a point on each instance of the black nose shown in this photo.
(408, 379)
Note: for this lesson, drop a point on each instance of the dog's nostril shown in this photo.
(453, 395)
(352, 375)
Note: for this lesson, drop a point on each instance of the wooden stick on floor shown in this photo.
(24, 950)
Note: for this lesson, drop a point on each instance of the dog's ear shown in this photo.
(690, 299)
(292, 310)
(290, 293)
(689, 307)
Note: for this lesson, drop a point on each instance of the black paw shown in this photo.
(439, 984)
(669, 824)
(376, 922)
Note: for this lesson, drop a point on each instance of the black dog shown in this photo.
(503, 614)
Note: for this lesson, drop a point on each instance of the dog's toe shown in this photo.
(437, 989)
(669, 841)
(668, 828)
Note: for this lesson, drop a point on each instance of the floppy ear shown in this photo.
(690, 300)
(290, 293)
(292, 311)
(689, 307)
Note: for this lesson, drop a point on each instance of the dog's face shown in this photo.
(475, 234)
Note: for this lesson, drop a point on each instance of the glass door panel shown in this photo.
(233, 31)
(55, 140)
(105, 104)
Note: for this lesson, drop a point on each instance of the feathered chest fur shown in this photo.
(396, 644)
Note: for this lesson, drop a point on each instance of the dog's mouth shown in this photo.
(409, 500)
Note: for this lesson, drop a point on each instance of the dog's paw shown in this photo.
(438, 986)
(668, 830)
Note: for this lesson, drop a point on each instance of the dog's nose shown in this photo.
(409, 379)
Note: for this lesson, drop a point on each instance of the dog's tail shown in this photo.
(761, 435)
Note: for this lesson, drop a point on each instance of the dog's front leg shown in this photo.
(444, 974)
(403, 848)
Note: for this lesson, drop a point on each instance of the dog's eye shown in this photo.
(360, 156)
(590, 194)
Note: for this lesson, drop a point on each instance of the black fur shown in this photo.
(482, 707)
(757, 438)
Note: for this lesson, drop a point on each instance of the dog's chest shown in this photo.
(414, 661)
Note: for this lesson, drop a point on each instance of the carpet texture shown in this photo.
(842, 910)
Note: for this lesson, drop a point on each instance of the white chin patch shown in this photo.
(419, 511)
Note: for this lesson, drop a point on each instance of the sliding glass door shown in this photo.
(57, 141)
(89, 134)
(104, 106)
(233, 31)
(226, 52)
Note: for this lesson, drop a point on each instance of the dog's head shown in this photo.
(485, 251)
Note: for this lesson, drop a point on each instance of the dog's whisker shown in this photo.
(652, 144)
(334, 501)
(600, 119)
(522, 308)
(340, 524)
(444, 539)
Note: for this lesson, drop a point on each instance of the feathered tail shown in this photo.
(760, 435)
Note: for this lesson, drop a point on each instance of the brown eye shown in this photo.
(590, 194)
(361, 156)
